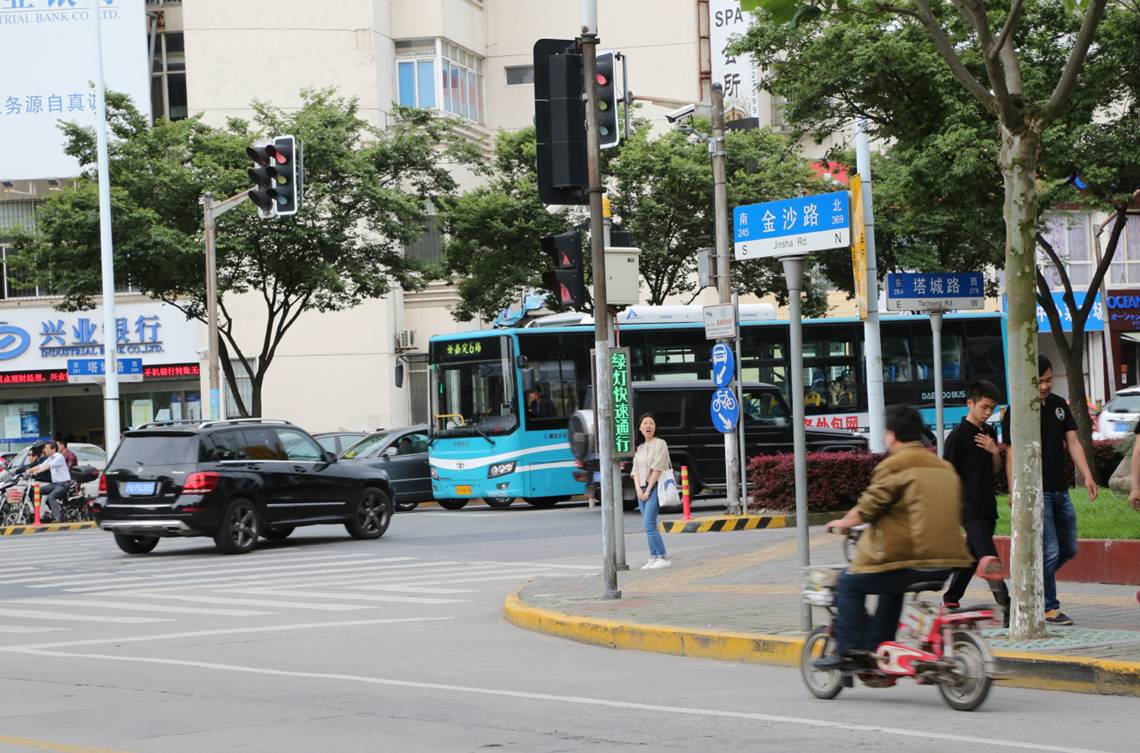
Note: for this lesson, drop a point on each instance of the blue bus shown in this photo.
(495, 441)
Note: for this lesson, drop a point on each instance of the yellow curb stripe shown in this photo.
(24, 742)
(1021, 669)
(723, 523)
(46, 528)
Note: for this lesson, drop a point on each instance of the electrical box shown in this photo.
(623, 276)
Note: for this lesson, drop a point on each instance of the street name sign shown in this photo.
(723, 365)
(720, 321)
(792, 227)
(90, 370)
(724, 410)
(935, 291)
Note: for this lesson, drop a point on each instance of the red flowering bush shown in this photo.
(835, 480)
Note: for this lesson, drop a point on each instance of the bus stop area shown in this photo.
(738, 599)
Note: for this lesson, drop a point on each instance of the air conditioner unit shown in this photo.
(406, 339)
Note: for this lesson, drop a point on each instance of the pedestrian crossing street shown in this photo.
(62, 586)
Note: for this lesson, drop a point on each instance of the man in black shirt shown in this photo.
(973, 450)
(1058, 434)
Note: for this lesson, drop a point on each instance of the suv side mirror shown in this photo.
(389, 452)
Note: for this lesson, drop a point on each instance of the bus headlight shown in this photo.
(501, 469)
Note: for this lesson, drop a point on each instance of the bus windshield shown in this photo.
(473, 392)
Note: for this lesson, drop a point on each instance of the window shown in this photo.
(244, 387)
(298, 446)
(418, 371)
(428, 248)
(462, 82)
(168, 77)
(831, 369)
(764, 408)
(436, 74)
(412, 444)
(1070, 234)
(559, 364)
(666, 406)
(1125, 267)
(261, 444)
(518, 75)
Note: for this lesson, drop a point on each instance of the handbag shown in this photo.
(667, 492)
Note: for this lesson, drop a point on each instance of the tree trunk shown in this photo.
(1018, 160)
(1078, 397)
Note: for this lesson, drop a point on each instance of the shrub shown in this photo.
(836, 479)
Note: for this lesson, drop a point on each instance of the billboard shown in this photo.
(736, 73)
(49, 50)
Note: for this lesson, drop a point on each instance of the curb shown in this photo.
(724, 523)
(46, 528)
(1021, 669)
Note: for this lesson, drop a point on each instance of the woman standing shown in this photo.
(649, 462)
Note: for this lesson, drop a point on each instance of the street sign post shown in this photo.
(90, 370)
(791, 227)
(723, 365)
(724, 410)
(936, 292)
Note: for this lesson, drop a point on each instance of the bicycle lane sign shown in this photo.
(724, 410)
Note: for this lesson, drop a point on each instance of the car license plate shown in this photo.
(1121, 425)
(138, 488)
(466, 489)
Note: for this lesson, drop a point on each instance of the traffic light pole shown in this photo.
(210, 213)
(603, 378)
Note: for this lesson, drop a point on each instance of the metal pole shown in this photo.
(794, 275)
(111, 415)
(872, 346)
(724, 278)
(939, 424)
(741, 440)
(619, 504)
(603, 377)
(211, 307)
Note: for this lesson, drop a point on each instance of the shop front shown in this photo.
(1124, 325)
(38, 402)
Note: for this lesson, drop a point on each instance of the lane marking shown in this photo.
(244, 602)
(573, 700)
(102, 604)
(422, 590)
(26, 742)
(593, 568)
(29, 629)
(39, 614)
(485, 579)
(288, 592)
(220, 631)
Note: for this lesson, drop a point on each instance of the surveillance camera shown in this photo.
(681, 112)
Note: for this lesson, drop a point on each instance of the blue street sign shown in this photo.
(935, 291)
(724, 410)
(723, 365)
(792, 226)
(93, 367)
(1095, 322)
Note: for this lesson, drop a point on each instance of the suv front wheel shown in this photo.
(240, 527)
(370, 515)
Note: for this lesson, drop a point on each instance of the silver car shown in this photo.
(1118, 417)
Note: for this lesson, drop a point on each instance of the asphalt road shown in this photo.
(322, 643)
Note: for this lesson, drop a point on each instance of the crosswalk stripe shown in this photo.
(536, 564)
(102, 604)
(423, 590)
(245, 602)
(289, 592)
(319, 579)
(28, 629)
(38, 614)
(480, 579)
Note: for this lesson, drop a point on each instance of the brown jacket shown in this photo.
(913, 504)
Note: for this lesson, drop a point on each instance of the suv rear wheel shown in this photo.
(371, 515)
(240, 527)
(136, 544)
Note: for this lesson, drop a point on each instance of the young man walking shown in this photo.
(973, 450)
(1058, 435)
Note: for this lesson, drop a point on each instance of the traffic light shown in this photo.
(564, 280)
(609, 129)
(276, 177)
(559, 122)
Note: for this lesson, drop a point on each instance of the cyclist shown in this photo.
(55, 464)
(912, 506)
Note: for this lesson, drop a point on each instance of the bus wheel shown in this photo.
(499, 503)
(452, 504)
(543, 502)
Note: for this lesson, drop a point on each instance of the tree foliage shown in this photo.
(367, 193)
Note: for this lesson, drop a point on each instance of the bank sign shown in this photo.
(49, 60)
(43, 338)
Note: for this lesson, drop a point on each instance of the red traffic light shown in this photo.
(602, 79)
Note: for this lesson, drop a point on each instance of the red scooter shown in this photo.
(933, 645)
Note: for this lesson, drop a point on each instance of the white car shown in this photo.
(1118, 417)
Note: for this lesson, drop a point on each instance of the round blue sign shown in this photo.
(724, 410)
(723, 365)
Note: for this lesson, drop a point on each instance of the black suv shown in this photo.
(233, 480)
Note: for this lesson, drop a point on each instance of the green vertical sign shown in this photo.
(622, 402)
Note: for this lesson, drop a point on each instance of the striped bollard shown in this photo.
(36, 504)
(685, 493)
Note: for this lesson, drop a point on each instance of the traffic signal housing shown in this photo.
(263, 176)
(609, 126)
(559, 122)
(565, 280)
(276, 177)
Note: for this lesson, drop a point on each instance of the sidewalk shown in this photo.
(738, 599)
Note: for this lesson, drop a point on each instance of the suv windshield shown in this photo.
(765, 407)
(473, 390)
(154, 448)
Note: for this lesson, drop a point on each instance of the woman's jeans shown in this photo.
(649, 508)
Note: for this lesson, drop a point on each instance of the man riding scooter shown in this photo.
(912, 506)
(56, 464)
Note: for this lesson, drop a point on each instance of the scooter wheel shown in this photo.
(967, 686)
(825, 684)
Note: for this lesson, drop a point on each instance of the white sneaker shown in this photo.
(650, 564)
(659, 563)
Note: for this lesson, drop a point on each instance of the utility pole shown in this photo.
(724, 278)
(615, 471)
(210, 214)
(588, 42)
(111, 416)
(872, 345)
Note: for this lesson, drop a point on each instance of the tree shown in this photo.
(984, 53)
(367, 193)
